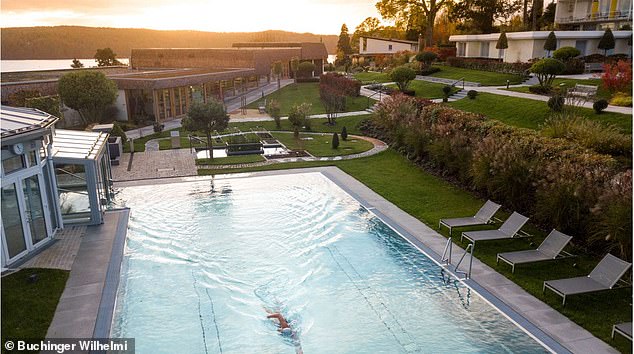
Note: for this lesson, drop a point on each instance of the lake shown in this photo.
(7, 66)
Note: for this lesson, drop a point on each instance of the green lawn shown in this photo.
(166, 144)
(308, 92)
(28, 308)
(231, 160)
(485, 78)
(527, 113)
(429, 198)
(321, 145)
(602, 93)
(351, 123)
(425, 89)
(369, 77)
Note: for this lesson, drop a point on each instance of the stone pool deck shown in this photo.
(87, 303)
(547, 325)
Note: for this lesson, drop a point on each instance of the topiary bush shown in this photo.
(402, 76)
(566, 53)
(426, 58)
(335, 140)
(546, 69)
(599, 106)
(556, 103)
(118, 131)
(344, 133)
(472, 94)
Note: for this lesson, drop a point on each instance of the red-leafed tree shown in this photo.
(333, 89)
(617, 77)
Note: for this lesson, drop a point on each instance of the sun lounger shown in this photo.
(509, 229)
(550, 248)
(482, 217)
(624, 329)
(603, 277)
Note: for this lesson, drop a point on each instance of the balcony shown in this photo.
(598, 17)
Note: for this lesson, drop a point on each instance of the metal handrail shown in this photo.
(448, 247)
(457, 81)
(466, 250)
(70, 173)
(374, 94)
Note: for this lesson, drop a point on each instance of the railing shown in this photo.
(601, 16)
(457, 81)
(379, 92)
(446, 257)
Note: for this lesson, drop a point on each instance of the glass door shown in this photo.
(12, 222)
(35, 215)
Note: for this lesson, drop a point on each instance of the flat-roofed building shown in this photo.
(593, 14)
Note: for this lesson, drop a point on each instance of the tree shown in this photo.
(306, 69)
(607, 41)
(48, 104)
(334, 101)
(344, 133)
(273, 109)
(419, 14)
(502, 43)
(402, 76)
(206, 117)
(277, 70)
(551, 42)
(87, 92)
(335, 141)
(106, 57)
(426, 58)
(294, 67)
(547, 20)
(297, 117)
(479, 16)
(76, 64)
(546, 69)
(343, 44)
(566, 53)
(536, 13)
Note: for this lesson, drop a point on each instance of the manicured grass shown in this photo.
(485, 78)
(351, 123)
(166, 144)
(602, 93)
(369, 77)
(231, 160)
(308, 93)
(321, 145)
(527, 113)
(425, 89)
(139, 144)
(28, 308)
(429, 198)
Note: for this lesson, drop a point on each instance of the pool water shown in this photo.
(206, 261)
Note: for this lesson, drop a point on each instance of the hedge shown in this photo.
(554, 181)
(494, 65)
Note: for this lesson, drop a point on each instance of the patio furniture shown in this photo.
(551, 248)
(624, 329)
(603, 277)
(482, 217)
(510, 229)
(586, 91)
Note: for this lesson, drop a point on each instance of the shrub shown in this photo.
(574, 66)
(621, 99)
(429, 70)
(472, 94)
(617, 77)
(495, 65)
(402, 76)
(48, 104)
(305, 69)
(344, 133)
(426, 58)
(566, 53)
(118, 131)
(539, 89)
(273, 108)
(546, 69)
(599, 106)
(447, 90)
(556, 103)
(335, 141)
(297, 117)
(158, 127)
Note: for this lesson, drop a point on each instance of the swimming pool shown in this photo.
(205, 260)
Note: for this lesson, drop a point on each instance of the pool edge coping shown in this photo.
(342, 180)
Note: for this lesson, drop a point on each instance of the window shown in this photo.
(13, 164)
(389, 47)
(32, 158)
(484, 49)
(365, 44)
(461, 49)
(581, 46)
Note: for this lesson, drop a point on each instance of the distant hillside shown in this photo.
(63, 42)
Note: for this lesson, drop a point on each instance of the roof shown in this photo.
(537, 35)
(15, 121)
(75, 144)
(390, 40)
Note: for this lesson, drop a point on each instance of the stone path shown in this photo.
(61, 254)
(155, 164)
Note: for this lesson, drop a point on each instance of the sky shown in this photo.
(315, 16)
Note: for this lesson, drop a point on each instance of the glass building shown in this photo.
(36, 160)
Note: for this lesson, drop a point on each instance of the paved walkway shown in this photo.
(61, 254)
(88, 293)
(155, 164)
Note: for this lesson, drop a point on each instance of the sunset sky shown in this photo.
(316, 16)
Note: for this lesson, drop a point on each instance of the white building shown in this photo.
(593, 14)
(523, 46)
(369, 46)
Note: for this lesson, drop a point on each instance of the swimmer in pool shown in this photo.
(285, 329)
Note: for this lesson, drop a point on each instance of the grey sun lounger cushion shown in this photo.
(549, 249)
(508, 230)
(603, 277)
(482, 217)
(624, 329)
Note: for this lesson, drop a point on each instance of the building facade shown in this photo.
(371, 46)
(524, 46)
(593, 14)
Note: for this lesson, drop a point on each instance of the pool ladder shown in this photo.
(446, 257)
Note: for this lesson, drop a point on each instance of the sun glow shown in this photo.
(324, 17)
